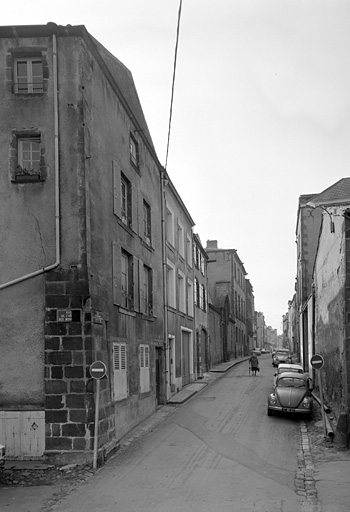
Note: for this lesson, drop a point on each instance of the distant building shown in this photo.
(179, 305)
(227, 289)
(261, 340)
(201, 313)
(307, 229)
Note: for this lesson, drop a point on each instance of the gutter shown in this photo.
(327, 424)
(163, 184)
(57, 189)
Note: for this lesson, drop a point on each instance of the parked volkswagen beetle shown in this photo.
(281, 356)
(287, 367)
(291, 394)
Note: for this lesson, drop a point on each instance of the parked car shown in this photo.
(291, 394)
(287, 367)
(257, 351)
(281, 356)
(264, 351)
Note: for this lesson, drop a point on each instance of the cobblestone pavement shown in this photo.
(316, 450)
(305, 484)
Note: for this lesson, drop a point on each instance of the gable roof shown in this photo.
(339, 193)
(123, 79)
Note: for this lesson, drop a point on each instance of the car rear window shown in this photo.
(290, 382)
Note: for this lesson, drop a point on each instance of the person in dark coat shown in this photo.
(254, 363)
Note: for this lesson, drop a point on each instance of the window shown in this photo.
(196, 291)
(134, 152)
(146, 291)
(190, 298)
(189, 250)
(182, 292)
(147, 222)
(120, 383)
(28, 75)
(144, 369)
(202, 263)
(169, 225)
(29, 156)
(125, 200)
(204, 294)
(171, 285)
(201, 298)
(127, 289)
(180, 239)
(195, 255)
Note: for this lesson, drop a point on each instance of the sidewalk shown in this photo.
(331, 468)
(193, 388)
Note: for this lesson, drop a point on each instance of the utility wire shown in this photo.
(173, 83)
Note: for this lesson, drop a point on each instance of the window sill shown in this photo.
(125, 226)
(29, 94)
(148, 317)
(27, 179)
(126, 311)
(147, 246)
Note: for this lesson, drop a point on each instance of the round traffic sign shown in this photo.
(98, 370)
(317, 361)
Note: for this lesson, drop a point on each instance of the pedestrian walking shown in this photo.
(254, 364)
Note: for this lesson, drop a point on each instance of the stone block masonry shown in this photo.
(69, 403)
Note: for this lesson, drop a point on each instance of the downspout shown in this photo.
(57, 190)
(165, 291)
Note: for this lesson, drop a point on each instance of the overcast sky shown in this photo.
(261, 111)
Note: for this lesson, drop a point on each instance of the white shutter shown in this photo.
(144, 369)
(120, 387)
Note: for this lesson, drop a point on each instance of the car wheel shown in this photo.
(269, 412)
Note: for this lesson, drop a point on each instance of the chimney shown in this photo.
(212, 244)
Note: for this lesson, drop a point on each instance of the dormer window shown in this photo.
(28, 73)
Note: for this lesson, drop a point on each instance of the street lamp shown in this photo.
(314, 206)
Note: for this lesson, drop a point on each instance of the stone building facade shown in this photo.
(81, 245)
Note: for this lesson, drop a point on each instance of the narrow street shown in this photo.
(217, 452)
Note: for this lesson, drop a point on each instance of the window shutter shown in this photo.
(116, 189)
(144, 369)
(140, 216)
(120, 387)
(141, 288)
(154, 292)
(153, 229)
(134, 208)
(116, 282)
(137, 279)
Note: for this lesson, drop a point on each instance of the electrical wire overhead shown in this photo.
(173, 83)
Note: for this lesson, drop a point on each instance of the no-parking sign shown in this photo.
(317, 361)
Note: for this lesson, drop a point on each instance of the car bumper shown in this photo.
(290, 410)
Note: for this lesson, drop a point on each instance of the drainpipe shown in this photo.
(57, 190)
(163, 183)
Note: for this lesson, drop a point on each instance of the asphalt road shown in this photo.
(218, 452)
